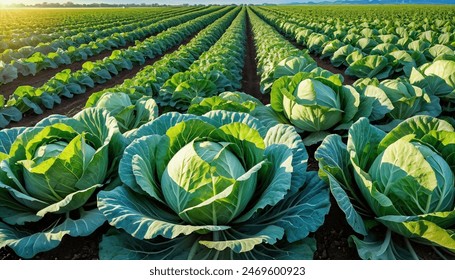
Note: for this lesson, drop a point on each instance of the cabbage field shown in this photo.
(228, 132)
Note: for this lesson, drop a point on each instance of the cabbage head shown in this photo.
(217, 186)
(314, 102)
(396, 185)
(49, 174)
(437, 78)
(229, 101)
(370, 66)
(392, 101)
(130, 110)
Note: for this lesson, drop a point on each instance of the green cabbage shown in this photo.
(49, 173)
(313, 102)
(217, 186)
(393, 186)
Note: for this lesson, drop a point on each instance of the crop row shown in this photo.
(67, 83)
(217, 70)
(219, 175)
(70, 53)
(367, 52)
(151, 79)
(274, 52)
(85, 36)
(18, 31)
(428, 90)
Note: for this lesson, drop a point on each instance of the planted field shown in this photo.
(228, 132)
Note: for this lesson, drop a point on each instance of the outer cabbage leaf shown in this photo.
(28, 244)
(370, 66)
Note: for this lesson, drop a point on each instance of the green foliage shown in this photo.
(314, 102)
(411, 196)
(130, 111)
(50, 172)
(223, 182)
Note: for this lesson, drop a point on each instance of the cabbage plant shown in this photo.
(392, 101)
(49, 174)
(437, 78)
(340, 55)
(370, 66)
(217, 186)
(292, 65)
(8, 73)
(397, 188)
(229, 101)
(313, 102)
(8, 114)
(130, 110)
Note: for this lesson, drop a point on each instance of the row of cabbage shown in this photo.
(25, 27)
(315, 100)
(29, 61)
(67, 83)
(86, 36)
(368, 53)
(383, 194)
(217, 70)
(275, 56)
(429, 89)
(246, 193)
(39, 36)
(252, 200)
(53, 21)
(206, 66)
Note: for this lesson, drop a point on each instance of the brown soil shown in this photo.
(332, 237)
(250, 82)
(326, 64)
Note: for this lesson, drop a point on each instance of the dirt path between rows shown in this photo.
(326, 64)
(250, 82)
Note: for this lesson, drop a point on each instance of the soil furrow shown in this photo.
(250, 82)
(325, 63)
